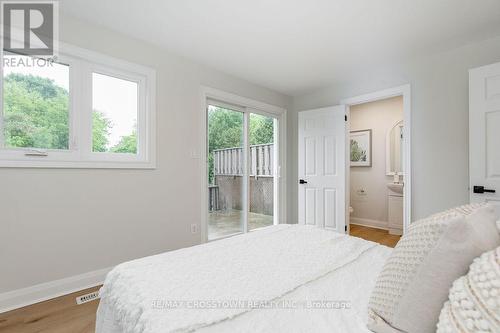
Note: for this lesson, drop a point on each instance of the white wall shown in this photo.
(439, 86)
(371, 204)
(51, 219)
(56, 223)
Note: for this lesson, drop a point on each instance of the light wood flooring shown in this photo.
(62, 315)
(375, 235)
(58, 315)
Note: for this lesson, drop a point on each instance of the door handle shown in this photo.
(302, 181)
(481, 189)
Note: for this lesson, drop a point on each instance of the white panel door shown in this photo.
(484, 134)
(322, 167)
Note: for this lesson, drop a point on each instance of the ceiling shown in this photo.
(296, 46)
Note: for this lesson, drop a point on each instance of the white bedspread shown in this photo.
(286, 262)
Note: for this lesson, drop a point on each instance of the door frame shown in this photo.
(405, 92)
(251, 106)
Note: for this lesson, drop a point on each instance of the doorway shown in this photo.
(242, 174)
(380, 160)
(324, 141)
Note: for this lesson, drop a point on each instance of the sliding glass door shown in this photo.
(241, 167)
(261, 181)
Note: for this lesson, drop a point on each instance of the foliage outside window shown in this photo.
(35, 113)
(225, 130)
(44, 111)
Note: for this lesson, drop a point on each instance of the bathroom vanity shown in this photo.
(395, 204)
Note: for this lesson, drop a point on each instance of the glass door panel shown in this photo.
(262, 162)
(226, 172)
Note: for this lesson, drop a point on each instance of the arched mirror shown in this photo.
(394, 149)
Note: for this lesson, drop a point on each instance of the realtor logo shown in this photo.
(30, 27)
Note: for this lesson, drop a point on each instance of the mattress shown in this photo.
(285, 278)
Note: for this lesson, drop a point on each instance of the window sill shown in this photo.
(37, 163)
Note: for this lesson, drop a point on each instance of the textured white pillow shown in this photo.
(474, 302)
(413, 285)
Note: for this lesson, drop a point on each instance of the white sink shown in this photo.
(397, 188)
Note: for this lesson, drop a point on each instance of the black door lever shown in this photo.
(302, 181)
(481, 189)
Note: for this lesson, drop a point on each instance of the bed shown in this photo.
(285, 278)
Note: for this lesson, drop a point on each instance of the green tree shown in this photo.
(225, 130)
(36, 116)
(261, 129)
(100, 131)
(35, 112)
(127, 144)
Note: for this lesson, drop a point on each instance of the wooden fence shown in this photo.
(229, 161)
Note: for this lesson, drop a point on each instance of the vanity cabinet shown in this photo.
(395, 214)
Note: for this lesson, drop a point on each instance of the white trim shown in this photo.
(276, 170)
(405, 91)
(383, 225)
(82, 64)
(376, 96)
(41, 292)
(249, 105)
(226, 97)
(347, 170)
(388, 171)
(246, 180)
(224, 105)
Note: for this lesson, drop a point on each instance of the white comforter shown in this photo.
(164, 293)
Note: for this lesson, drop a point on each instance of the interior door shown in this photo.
(322, 167)
(484, 134)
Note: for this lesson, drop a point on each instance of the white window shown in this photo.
(83, 111)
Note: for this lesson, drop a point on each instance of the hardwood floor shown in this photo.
(375, 235)
(58, 315)
(62, 315)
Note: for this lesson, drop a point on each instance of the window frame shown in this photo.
(82, 64)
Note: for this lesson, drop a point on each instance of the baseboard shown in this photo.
(41, 292)
(396, 231)
(384, 225)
